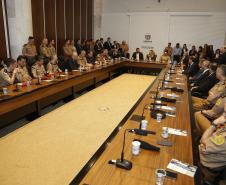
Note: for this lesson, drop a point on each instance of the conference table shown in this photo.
(97, 171)
(32, 99)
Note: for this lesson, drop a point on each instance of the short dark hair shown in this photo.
(39, 57)
(20, 57)
(137, 48)
(213, 66)
(9, 61)
(223, 68)
(30, 38)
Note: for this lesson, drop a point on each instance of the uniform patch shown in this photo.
(218, 140)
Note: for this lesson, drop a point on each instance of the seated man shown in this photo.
(82, 60)
(202, 89)
(212, 150)
(214, 93)
(204, 72)
(22, 75)
(72, 63)
(9, 72)
(151, 56)
(90, 58)
(38, 69)
(193, 67)
(137, 55)
(104, 56)
(52, 66)
(204, 117)
(165, 58)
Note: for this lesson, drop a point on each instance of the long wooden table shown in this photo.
(34, 98)
(99, 172)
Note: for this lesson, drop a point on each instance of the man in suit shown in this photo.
(201, 89)
(202, 75)
(97, 47)
(222, 57)
(72, 63)
(214, 93)
(108, 45)
(137, 55)
(193, 67)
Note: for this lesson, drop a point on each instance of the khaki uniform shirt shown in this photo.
(5, 77)
(29, 50)
(216, 91)
(52, 68)
(23, 75)
(44, 51)
(67, 51)
(52, 51)
(170, 51)
(82, 61)
(215, 154)
(218, 108)
(38, 71)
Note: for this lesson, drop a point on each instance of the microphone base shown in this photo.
(125, 164)
(155, 112)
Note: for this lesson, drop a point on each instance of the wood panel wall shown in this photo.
(62, 19)
(4, 41)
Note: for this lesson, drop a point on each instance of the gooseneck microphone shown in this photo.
(122, 162)
(154, 110)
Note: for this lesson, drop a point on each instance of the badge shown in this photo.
(218, 140)
(218, 102)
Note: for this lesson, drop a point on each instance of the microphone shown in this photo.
(142, 132)
(122, 162)
(147, 146)
(154, 110)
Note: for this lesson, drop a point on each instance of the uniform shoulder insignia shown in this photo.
(218, 140)
(218, 102)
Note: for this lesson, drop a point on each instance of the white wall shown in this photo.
(20, 24)
(192, 28)
(193, 22)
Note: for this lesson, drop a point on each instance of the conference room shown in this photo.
(101, 92)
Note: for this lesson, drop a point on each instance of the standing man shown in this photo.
(169, 49)
(30, 51)
(108, 45)
(177, 51)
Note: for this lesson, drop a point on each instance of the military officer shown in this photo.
(52, 67)
(212, 149)
(38, 69)
(9, 72)
(22, 75)
(30, 51)
(203, 118)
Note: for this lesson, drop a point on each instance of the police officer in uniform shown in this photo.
(44, 51)
(9, 73)
(52, 67)
(212, 149)
(30, 51)
(38, 69)
(22, 75)
(203, 118)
